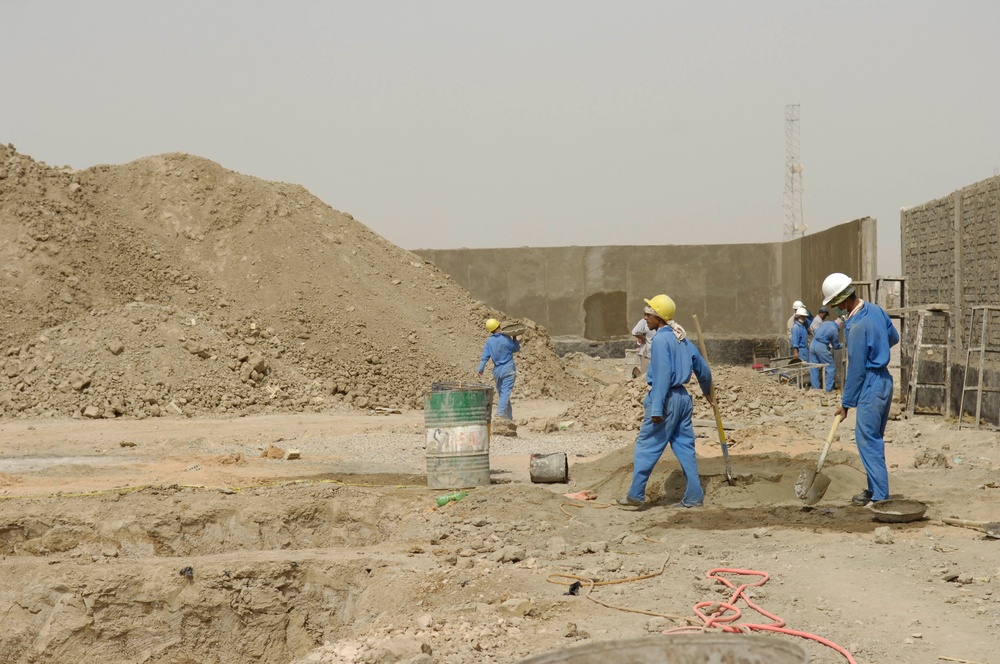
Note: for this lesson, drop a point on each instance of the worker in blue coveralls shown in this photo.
(868, 385)
(500, 348)
(800, 335)
(668, 406)
(825, 340)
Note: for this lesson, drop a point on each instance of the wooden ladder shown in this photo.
(918, 348)
(981, 350)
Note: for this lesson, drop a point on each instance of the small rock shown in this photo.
(93, 412)
(883, 535)
(515, 607)
(761, 532)
(594, 547)
(116, 346)
(656, 624)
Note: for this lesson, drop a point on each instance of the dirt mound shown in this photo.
(171, 284)
(744, 395)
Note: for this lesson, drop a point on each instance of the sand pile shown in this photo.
(744, 396)
(171, 284)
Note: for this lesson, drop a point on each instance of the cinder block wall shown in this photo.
(951, 256)
(597, 292)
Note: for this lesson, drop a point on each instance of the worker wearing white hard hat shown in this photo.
(800, 334)
(796, 305)
(668, 406)
(868, 385)
(500, 348)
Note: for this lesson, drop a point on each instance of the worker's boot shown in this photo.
(628, 501)
(862, 498)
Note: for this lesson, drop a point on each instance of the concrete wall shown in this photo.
(597, 292)
(951, 256)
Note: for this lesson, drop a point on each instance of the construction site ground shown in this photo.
(212, 450)
(343, 555)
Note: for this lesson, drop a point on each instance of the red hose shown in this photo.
(723, 617)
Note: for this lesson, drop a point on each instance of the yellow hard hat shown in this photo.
(663, 306)
(492, 325)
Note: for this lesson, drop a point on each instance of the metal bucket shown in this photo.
(457, 417)
(681, 649)
(549, 468)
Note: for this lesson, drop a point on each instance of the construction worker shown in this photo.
(825, 341)
(796, 305)
(868, 386)
(800, 335)
(500, 348)
(668, 405)
(643, 336)
(818, 320)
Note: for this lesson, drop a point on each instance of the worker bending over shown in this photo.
(668, 405)
(500, 348)
(825, 341)
(868, 385)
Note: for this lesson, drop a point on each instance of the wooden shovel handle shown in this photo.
(829, 441)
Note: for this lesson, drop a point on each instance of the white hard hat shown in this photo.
(801, 311)
(797, 304)
(836, 288)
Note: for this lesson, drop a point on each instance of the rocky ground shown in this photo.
(212, 450)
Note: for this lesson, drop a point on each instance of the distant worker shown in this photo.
(800, 335)
(819, 319)
(668, 406)
(500, 348)
(796, 305)
(643, 336)
(868, 386)
(825, 341)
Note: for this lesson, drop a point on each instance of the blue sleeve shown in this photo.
(660, 368)
(857, 360)
(701, 370)
(515, 345)
(485, 358)
(893, 334)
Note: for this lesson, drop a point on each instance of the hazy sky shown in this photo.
(475, 124)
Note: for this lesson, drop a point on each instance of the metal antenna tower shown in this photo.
(794, 225)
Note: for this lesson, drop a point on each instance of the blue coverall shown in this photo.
(868, 388)
(500, 348)
(670, 367)
(800, 340)
(825, 341)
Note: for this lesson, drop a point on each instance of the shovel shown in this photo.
(991, 529)
(812, 484)
(715, 408)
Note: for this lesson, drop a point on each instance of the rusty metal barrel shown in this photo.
(457, 419)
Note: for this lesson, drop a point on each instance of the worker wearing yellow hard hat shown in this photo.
(500, 348)
(668, 406)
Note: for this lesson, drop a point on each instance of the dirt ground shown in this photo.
(175, 540)
(212, 449)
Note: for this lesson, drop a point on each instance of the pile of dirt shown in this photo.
(744, 395)
(172, 285)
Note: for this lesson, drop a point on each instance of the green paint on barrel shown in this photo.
(457, 417)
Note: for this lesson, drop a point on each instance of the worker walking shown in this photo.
(868, 386)
(800, 335)
(825, 341)
(500, 348)
(668, 406)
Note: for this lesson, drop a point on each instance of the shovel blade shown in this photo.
(817, 490)
(805, 480)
